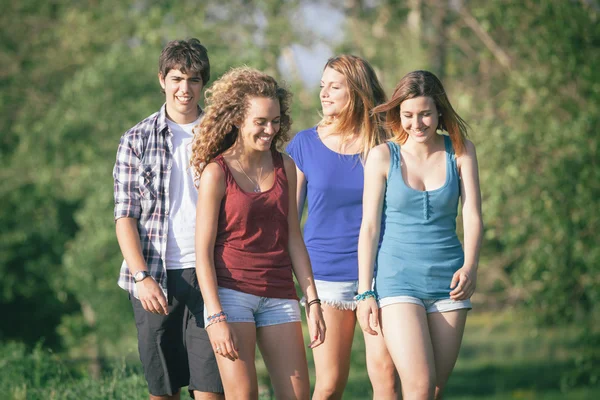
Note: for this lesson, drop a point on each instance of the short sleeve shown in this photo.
(294, 149)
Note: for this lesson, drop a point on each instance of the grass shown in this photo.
(502, 357)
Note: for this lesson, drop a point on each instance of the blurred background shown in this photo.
(525, 74)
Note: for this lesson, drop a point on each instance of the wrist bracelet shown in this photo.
(365, 295)
(216, 320)
(313, 301)
(217, 315)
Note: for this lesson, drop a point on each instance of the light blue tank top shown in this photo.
(420, 250)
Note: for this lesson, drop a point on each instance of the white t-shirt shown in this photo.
(182, 200)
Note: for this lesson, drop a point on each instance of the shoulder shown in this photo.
(288, 163)
(213, 173)
(469, 152)
(379, 153)
(143, 128)
(303, 136)
(135, 136)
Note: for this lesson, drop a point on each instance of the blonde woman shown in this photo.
(329, 159)
(248, 239)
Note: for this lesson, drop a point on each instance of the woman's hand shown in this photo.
(223, 340)
(368, 315)
(463, 283)
(316, 325)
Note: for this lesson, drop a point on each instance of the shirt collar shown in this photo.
(161, 122)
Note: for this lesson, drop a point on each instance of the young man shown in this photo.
(155, 213)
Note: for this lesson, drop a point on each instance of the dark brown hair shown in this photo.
(188, 56)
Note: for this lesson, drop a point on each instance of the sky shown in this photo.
(325, 22)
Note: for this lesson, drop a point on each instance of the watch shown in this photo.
(140, 276)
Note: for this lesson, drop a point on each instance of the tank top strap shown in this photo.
(229, 180)
(394, 155)
(277, 159)
(449, 148)
(451, 160)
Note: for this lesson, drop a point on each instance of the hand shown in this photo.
(316, 325)
(463, 283)
(223, 340)
(152, 297)
(368, 315)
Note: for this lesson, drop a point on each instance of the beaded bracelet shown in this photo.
(217, 315)
(313, 301)
(216, 320)
(365, 295)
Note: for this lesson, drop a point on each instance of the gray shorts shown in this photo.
(174, 349)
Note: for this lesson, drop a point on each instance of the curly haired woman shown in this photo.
(248, 239)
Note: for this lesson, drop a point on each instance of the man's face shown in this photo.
(182, 94)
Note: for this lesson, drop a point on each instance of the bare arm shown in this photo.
(376, 169)
(464, 280)
(300, 191)
(210, 195)
(301, 262)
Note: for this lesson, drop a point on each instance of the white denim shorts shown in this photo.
(430, 305)
(262, 311)
(338, 295)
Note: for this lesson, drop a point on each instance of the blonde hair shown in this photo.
(227, 102)
(417, 84)
(365, 92)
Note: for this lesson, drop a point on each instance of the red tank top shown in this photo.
(251, 253)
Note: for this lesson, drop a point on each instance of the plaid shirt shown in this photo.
(142, 174)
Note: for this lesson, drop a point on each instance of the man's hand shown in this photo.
(152, 297)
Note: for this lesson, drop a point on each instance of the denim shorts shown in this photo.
(262, 311)
(430, 305)
(338, 295)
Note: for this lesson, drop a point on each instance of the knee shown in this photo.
(331, 390)
(383, 377)
(242, 392)
(419, 389)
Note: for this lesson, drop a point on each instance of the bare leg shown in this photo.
(208, 396)
(282, 349)
(381, 369)
(173, 397)
(239, 376)
(446, 330)
(332, 358)
(406, 334)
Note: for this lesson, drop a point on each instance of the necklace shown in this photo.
(258, 180)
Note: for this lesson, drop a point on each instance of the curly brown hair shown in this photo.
(227, 102)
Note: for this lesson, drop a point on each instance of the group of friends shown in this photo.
(208, 210)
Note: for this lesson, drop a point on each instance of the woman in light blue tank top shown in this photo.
(423, 277)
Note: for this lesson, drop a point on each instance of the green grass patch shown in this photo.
(502, 357)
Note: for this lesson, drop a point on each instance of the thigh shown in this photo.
(406, 333)
(282, 348)
(239, 376)
(332, 358)
(446, 330)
